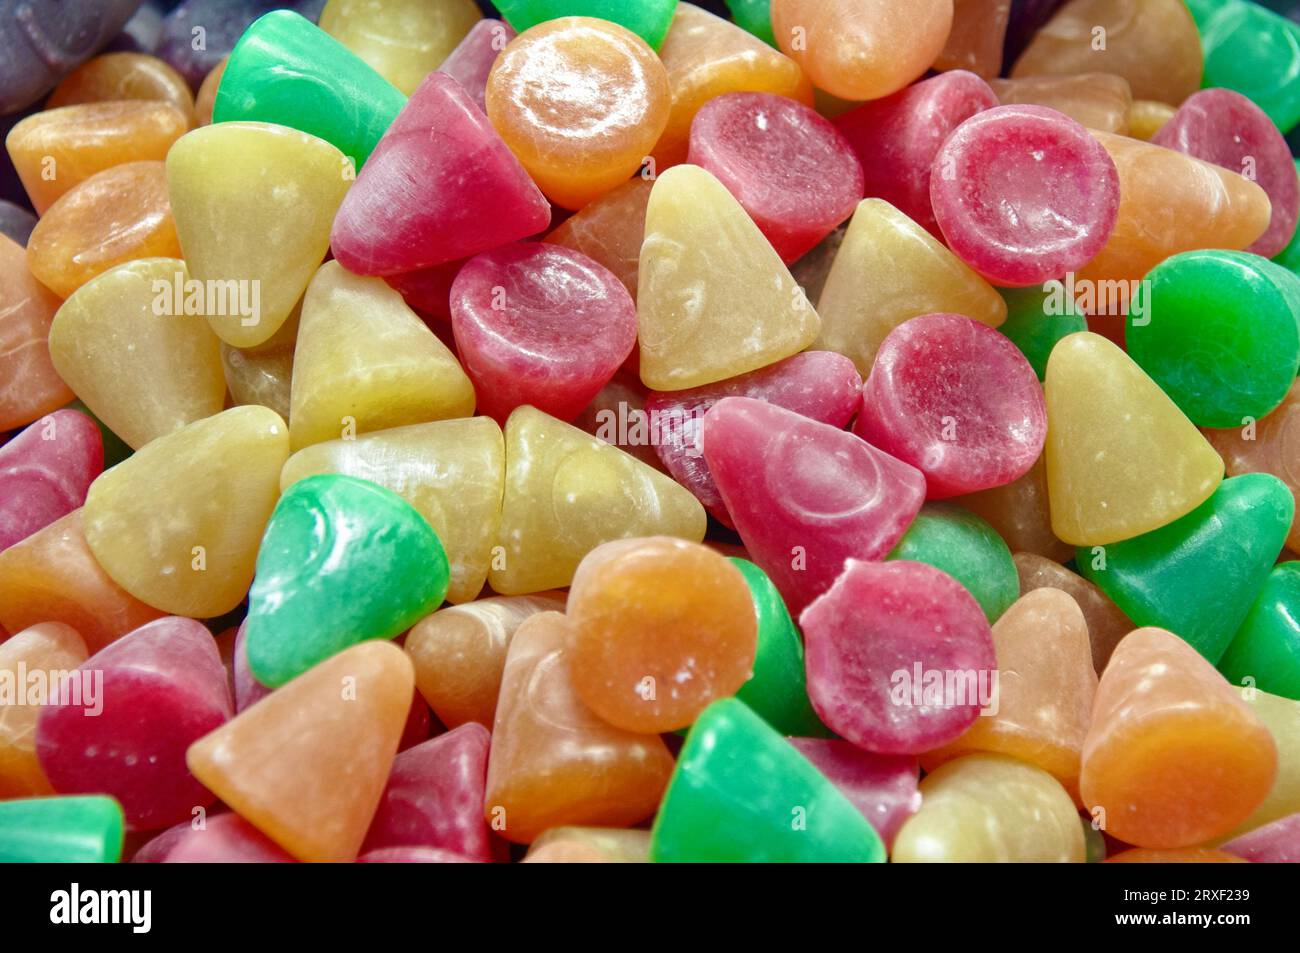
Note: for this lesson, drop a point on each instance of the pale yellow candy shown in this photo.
(452, 471)
(1147, 117)
(566, 493)
(889, 269)
(1122, 459)
(364, 362)
(988, 808)
(590, 845)
(402, 40)
(178, 524)
(253, 204)
(714, 299)
(126, 345)
(262, 374)
(1281, 716)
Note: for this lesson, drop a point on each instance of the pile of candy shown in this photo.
(818, 430)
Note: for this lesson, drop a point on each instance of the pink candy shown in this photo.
(471, 61)
(882, 786)
(45, 472)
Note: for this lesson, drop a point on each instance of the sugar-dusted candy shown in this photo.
(52, 576)
(968, 549)
(553, 762)
(979, 29)
(451, 471)
(470, 63)
(887, 271)
(178, 524)
(139, 361)
(1100, 101)
(48, 648)
(143, 701)
(719, 809)
(862, 49)
(1107, 623)
(590, 845)
(789, 168)
(820, 385)
(460, 652)
(342, 560)
(540, 324)
(1147, 117)
(75, 829)
(401, 40)
(45, 472)
(434, 797)
(896, 138)
(225, 838)
(364, 362)
(1199, 575)
(1266, 649)
(1122, 459)
(1173, 757)
(382, 228)
(1275, 843)
(882, 786)
(610, 230)
(1153, 44)
(1020, 513)
(714, 299)
(566, 493)
(1227, 129)
(577, 146)
(1252, 50)
(123, 75)
(1219, 331)
(805, 496)
(278, 763)
(690, 641)
(991, 808)
(875, 641)
(287, 71)
(57, 149)
(957, 401)
(30, 387)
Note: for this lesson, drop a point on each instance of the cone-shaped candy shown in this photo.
(610, 229)
(714, 299)
(1276, 843)
(178, 524)
(68, 830)
(1122, 459)
(1253, 50)
(1281, 716)
(44, 651)
(566, 493)
(342, 560)
(1107, 623)
(142, 362)
(402, 40)
(471, 61)
(29, 384)
(1174, 757)
(1267, 646)
(45, 472)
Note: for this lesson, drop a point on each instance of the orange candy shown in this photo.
(1184, 855)
(1174, 756)
(1107, 623)
(553, 763)
(580, 102)
(52, 576)
(1019, 511)
(57, 149)
(30, 387)
(661, 627)
(1100, 101)
(115, 216)
(610, 229)
(979, 29)
(115, 76)
(207, 97)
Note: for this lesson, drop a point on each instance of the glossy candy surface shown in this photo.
(85, 829)
(42, 651)
(401, 40)
(29, 385)
(1100, 101)
(1267, 646)
(45, 472)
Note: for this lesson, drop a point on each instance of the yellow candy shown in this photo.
(144, 368)
(1281, 716)
(402, 40)
(253, 205)
(1147, 117)
(991, 808)
(590, 845)
(451, 471)
(566, 493)
(364, 362)
(1122, 459)
(178, 524)
(262, 374)
(889, 269)
(714, 299)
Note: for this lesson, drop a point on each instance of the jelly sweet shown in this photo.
(225, 839)
(30, 387)
(45, 472)
(610, 230)
(1266, 649)
(401, 40)
(590, 845)
(51, 649)
(1147, 117)
(1252, 50)
(1020, 513)
(470, 63)
(1037, 319)
(1281, 716)
(77, 829)
(116, 76)
(1107, 623)
(979, 28)
(1101, 101)
(882, 786)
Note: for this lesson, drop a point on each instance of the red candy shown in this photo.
(806, 496)
(956, 400)
(45, 472)
(1024, 194)
(471, 61)
(874, 643)
(540, 324)
(789, 168)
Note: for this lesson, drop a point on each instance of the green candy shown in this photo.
(778, 689)
(967, 548)
(1267, 646)
(1289, 257)
(342, 560)
(742, 794)
(86, 829)
(754, 16)
(1036, 320)
(1198, 576)
(288, 71)
(1253, 51)
(648, 19)
(1094, 844)
(1219, 331)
